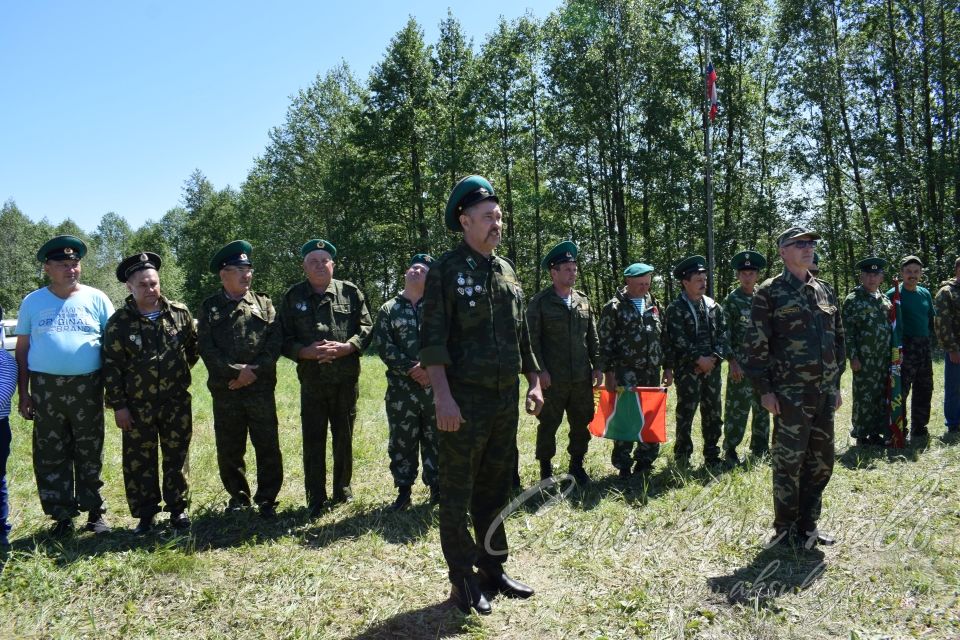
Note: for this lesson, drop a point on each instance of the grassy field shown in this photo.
(680, 556)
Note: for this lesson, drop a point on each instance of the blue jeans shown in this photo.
(951, 394)
(5, 438)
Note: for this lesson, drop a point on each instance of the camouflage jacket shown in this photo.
(629, 341)
(948, 315)
(736, 311)
(238, 332)
(683, 344)
(474, 322)
(866, 324)
(796, 340)
(396, 336)
(339, 314)
(148, 360)
(564, 340)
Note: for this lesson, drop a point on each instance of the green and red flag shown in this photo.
(894, 392)
(635, 414)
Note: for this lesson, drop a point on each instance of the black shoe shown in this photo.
(810, 539)
(579, 474)
(403, 500)
(343, 494)
(236, 506)
(434, 494)
(516, 480)
(62, 528)
(145, 525)
(682, 462)
(179, 520)
(468, 595)
(267, 511)
(316, 509)
(96, 524)
(624, 473)
(919, 433)
(712, 462)
(640, 468)
(546, 469)
(781, 539)
(731, 459)
(500, 582)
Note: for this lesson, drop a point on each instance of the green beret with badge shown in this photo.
(235, 254)
(138, 262)
(422, 258)
(466, 193)
(872, 265)
(565, 251)
(794, 234)
(748, 260)
(317, 245)
(637, 269)
(910, 260)
(62, 248)
(690, 265)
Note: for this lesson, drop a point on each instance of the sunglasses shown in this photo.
(802, 244)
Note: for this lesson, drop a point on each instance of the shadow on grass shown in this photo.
(441, 620)
(395, 527)
(773, 572)
(866, 457)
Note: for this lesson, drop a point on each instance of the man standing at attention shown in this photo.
(564, 340)
(795, 357)
(948, 333)
(59, 333)
(326, 325)
(474, 342)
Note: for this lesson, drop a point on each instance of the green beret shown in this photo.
(796, 233)
(421, 258)
(234, 254)
(566, 251)
(872, 265)
(637, 269)
(748, 260)
(468, 192)
(62, 248)
(138, 262)
(910, 260)
(693, 264)
(318, 245)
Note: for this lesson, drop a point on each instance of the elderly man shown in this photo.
(59, 329)
(149, 347)
(326, 325)
(948, 333)
(474, 342)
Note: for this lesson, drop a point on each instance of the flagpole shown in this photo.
(708, 174)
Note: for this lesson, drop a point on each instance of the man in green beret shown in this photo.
(149, 347)
(698, 343)
(795, 357)
(633, 336)
(409, 397)
(240, 343)
(915, 317)
(326, 326)
(866, 320)
(59, 334)
(474, 341)
(948, 333)
(741, 400)
(563, 336)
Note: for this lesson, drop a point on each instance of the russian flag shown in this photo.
(712, 91)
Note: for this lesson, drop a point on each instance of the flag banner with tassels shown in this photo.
(894, 390)
(634, 414)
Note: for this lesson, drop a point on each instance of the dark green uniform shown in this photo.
(232, 333)
(146, 369)
(696, 329)
(474, 325)
(866, 323)
(410, 412)
(741, 400)
(633, 346)
(564, 341)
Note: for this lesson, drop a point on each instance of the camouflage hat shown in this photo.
(62, 248)
(237, 253)
(911, 260)
(748, 260)
(692, 264)
(466, 193)
(637, 269)
(796, 233)
(872, 265)
(317, 245)
(565, 251)
(138, 262)
(422, 258)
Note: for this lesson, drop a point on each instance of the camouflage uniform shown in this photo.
(146, 369)
(410, 411)
(795, 349)
(329, 390)
(948, 334)
(232, 333)
(696, 329)
(866, 322)
(633, 347)
(564, 341)
(481, 338)
(741, 399)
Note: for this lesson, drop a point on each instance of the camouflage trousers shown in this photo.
(742, 401)
(68, 443)
(576, 399)
(5, 439)
(870, 415)
(332, 404)
(917, 375)
(951, 394)
(695, 390)
(171, 424)
(802, 458)
(235, 414)
(645, 453)
(413, 427)
(476, 465)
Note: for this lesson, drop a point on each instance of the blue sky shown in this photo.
(109, 106)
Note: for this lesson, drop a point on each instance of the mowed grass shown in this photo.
(680, 556)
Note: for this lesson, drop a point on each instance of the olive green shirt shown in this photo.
(564, 340)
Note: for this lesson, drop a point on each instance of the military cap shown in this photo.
(468, 192)
(138, 262)
(693, 264)
(872, 265)
(565, 251)
(796, 233)
(422, 258)
(234, 254)
(748, 260)
(318, 245)
(62, 248)
(910, 260)
(637, 269)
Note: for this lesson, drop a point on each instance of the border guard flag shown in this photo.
(895, 407)
(635, 414)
